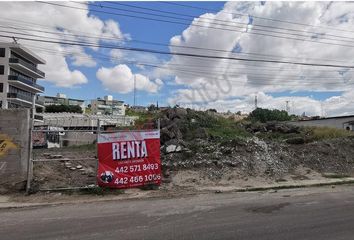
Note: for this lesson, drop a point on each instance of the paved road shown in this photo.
(320, 213)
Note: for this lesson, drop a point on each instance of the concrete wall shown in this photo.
(14, 148)
(77, 138)
(339, 122)
(3, 78)
(84, 120)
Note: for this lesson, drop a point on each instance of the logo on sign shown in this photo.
(107, 177)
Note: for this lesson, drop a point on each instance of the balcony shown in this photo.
(23, 99)
(26, 68)
(20, 98)
(23, 83)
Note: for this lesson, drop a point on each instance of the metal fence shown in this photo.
(64, 154)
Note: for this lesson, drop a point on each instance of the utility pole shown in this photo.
(287, 107)
(255, 102)
(134, 90)
(322, 110)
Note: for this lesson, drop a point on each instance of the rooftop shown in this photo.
(336, 117)
(55, 97)
(25, 52)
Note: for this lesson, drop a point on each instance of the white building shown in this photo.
(340, 122)
(18, 76)
(107, 106)
(61, 99)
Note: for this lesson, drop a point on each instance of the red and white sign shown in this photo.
(129, 159)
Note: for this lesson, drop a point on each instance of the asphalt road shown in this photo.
(320, 213)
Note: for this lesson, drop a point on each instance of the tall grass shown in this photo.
(322, 133)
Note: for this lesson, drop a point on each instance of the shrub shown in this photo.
(63, 108)
(265, 115)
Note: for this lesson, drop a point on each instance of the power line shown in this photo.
(263, 18)
(220, 20)
(221, 24)
(166, 45)
(260, 68)
(85, 44)
(198, 74)
(202, 26)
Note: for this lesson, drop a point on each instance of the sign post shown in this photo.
(129, 159)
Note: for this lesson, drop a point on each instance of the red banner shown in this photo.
(129, 159)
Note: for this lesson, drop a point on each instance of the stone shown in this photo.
(180, 112)
(164, 122)
(171, 148)
(79, 167)
(201, 133)
(166, 135)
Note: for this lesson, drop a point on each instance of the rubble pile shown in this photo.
(200, 146)
(250, 156)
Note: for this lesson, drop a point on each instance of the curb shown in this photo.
(292, 186)
(18, 205)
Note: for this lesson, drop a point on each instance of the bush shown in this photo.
(63, 108)
(265, 115)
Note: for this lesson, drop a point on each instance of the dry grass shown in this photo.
(322, 133)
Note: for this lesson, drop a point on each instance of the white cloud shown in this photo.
(32, 15)
(139, 59)
(120, 79)
(218, 82)
(79, 57)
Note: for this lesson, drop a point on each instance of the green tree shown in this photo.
(265, 115)
(63, 108)
(152, 107)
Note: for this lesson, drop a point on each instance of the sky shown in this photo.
(302, 32)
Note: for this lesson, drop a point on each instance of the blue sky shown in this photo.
(137, 29)
(194, 82)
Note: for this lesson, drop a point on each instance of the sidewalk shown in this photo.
(51, 199)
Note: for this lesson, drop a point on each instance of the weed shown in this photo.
(322, 133)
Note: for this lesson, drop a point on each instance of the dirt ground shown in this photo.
(61, 173)
(230, 166)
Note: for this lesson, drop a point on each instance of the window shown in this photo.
(2, 52)
(1, 87)
(1, 69)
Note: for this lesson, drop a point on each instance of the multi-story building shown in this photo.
(18, 76)
(107, 106)
(61, 99)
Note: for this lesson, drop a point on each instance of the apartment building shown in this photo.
(107, 106)
(61, 99)
(18, 76)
